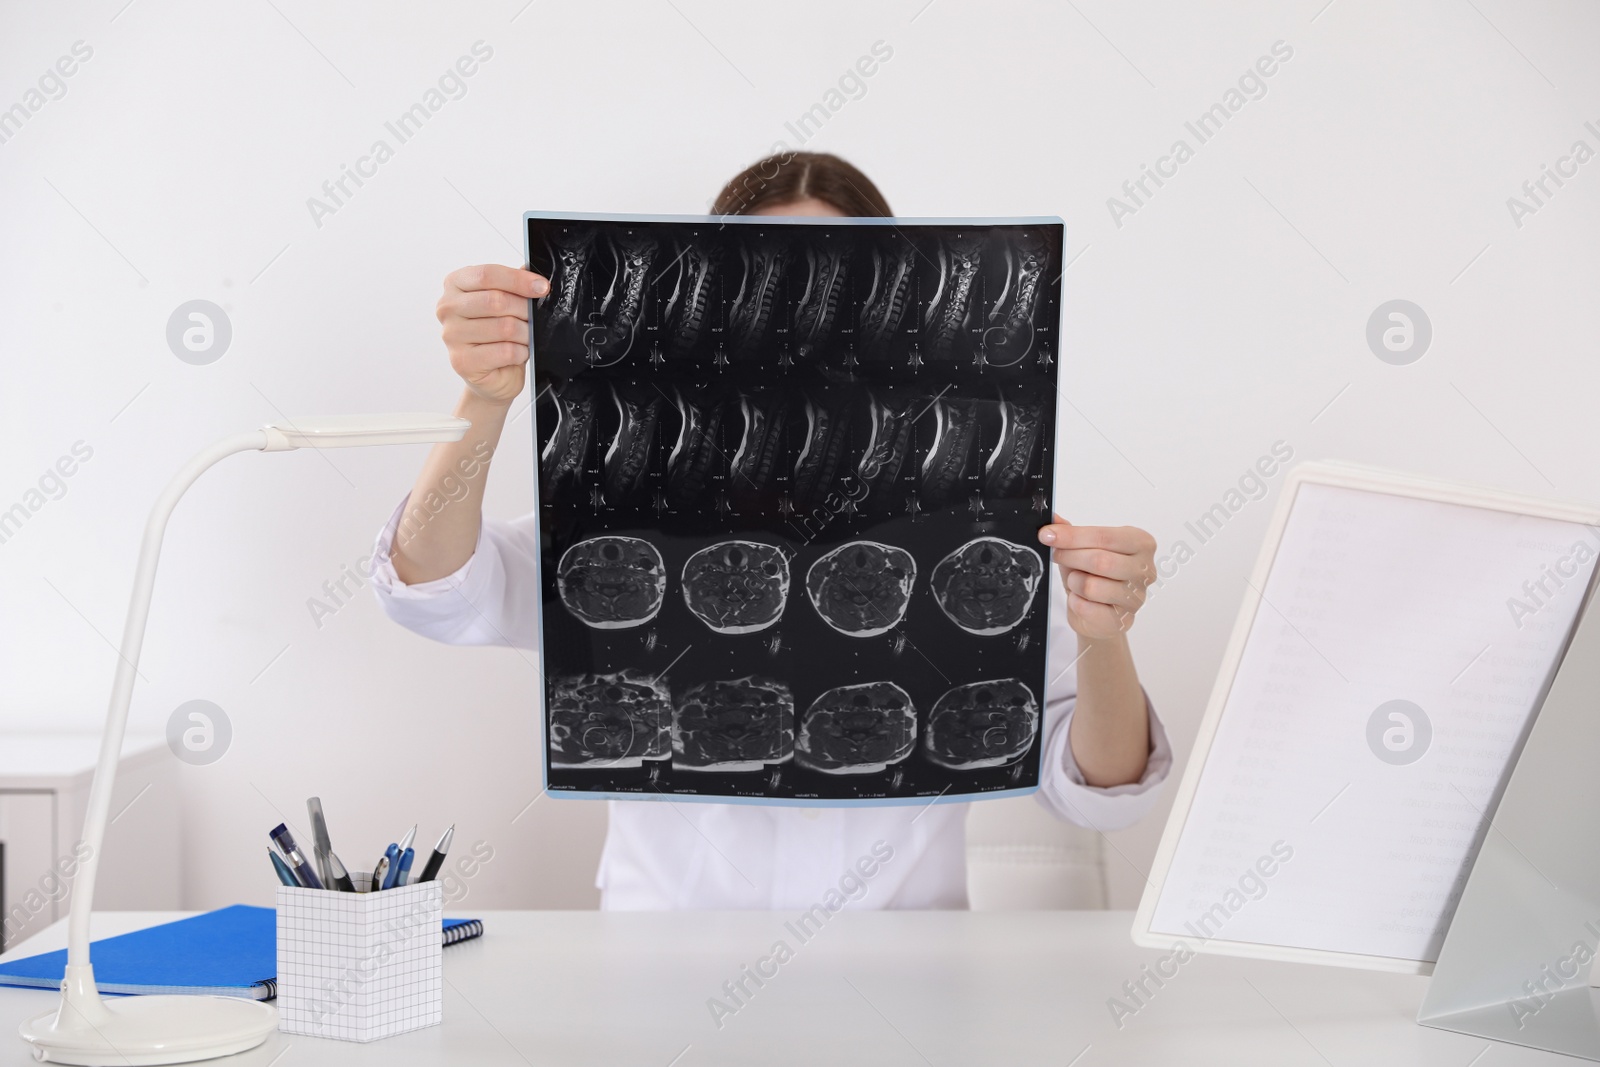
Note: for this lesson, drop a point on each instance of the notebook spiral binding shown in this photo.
(463, 932)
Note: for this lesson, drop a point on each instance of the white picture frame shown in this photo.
(1349, 476)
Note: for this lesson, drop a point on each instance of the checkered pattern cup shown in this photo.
(360, 966)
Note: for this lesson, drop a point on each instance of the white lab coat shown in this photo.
(663, 855)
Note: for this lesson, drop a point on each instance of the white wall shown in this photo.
(1223, 316)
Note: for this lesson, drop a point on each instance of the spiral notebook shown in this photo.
(231, 952)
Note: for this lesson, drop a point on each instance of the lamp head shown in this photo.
(353, 431)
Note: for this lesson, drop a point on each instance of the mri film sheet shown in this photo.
(790, 476)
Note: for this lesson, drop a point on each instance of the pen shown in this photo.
(430, 870)
(319, 863)
(320, 843)
(297, 862)
(392, 867)
(404, 872)
(285, 875)
(406, 841)
(379, 874)
(339, 878)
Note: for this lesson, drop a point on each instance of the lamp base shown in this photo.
(150, 1030)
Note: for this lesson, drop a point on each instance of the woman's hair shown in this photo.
(791, 176)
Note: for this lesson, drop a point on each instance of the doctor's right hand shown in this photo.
(484, 315)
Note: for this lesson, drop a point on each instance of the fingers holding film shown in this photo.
(1128, 595)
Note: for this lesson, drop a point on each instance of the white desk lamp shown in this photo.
(87, 1029)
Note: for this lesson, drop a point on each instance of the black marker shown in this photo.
(430, 870)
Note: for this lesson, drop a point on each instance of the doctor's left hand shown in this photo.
(1106, 571)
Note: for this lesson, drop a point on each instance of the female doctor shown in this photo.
(452, 576)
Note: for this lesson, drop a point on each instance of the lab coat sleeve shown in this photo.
(492, 600)
(1062, 788)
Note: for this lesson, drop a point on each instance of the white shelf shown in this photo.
(44, 793)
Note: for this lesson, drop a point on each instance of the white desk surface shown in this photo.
(882, 988)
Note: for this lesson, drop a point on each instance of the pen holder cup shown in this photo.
(360, 966)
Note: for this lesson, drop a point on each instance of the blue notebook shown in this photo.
(231, 953)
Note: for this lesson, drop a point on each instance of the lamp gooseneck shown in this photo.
(94, 823)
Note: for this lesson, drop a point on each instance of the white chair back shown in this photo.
(1022, 858)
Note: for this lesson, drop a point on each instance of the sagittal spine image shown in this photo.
(891, 414)
(762, 414)
(694, 457)
(828, 416)
(948, 457)
(818, 308)
(622, 305)
(959, 256)
(608, 720)
(638, 412)
(750, 316)
(1008, 332)
(857, 729)
(569, 288)
(567, 451)
(862, 588)
(987, 585)
(889, 292)
(737, 587)
(688, 303)
(985, 724)
(743, 724)
(1005, 472)
(612, 582)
